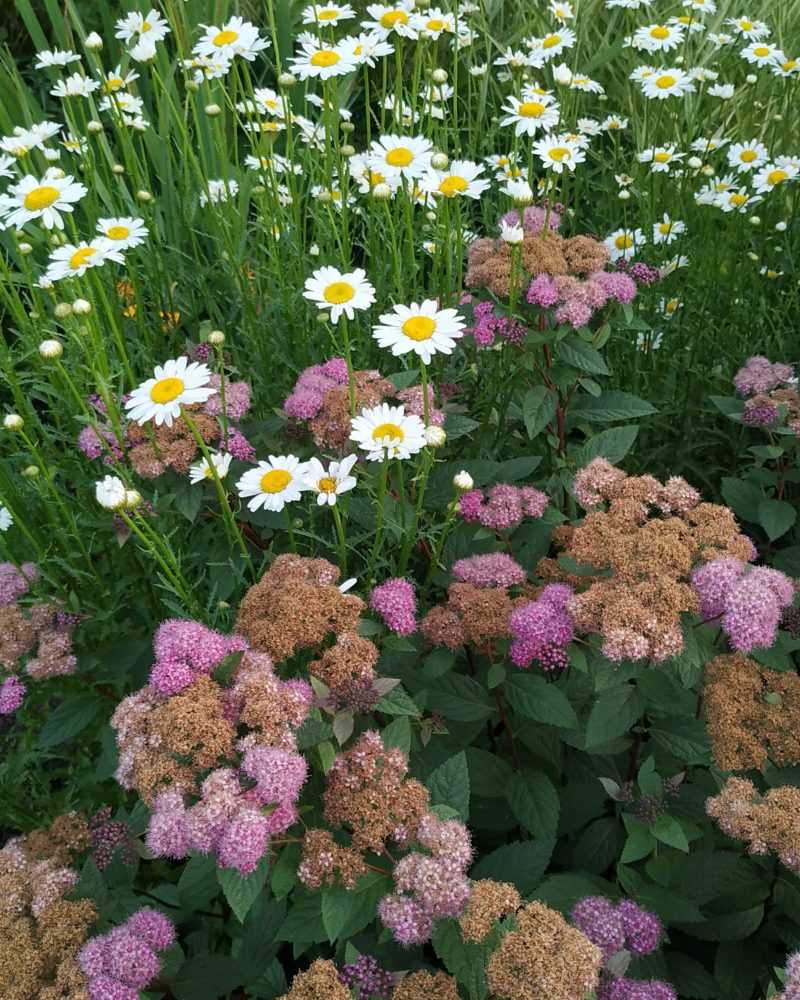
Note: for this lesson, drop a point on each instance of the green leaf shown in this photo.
(728, 926)
(669, 831)
(345, 912)
(457, 425)
(534, 802)
(459, 698)
(776, 517)
(690, 978)
(576, 352)
(259, 939)
(614, 712)
(241, 892)
(398, 702)
(682, 737)
(313, 732)
(610, 406)
(488, 773)
(522, 863)
(743, 498)
(640, 840)
(538, 409)
(284, 871)
(562, 891)
(272, 984)
(736, 969)
(534, 698)
(464, 959)
(198, 885)
(614, 443)
(207, 977)
(398, 735)
(599, 845)
(69, 718)
(449, 785)
(304, 924)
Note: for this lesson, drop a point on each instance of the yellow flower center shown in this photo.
(400, 157)
(391, 431)
(275, 480)
(435, 25)
(419, 328)
(772, 274)
(451, 186)
(665, 228)
(113, 84)
(776, 176)
(671, 306)
(41, 198)
(788, 66)
(327, 15)
(81, 257)
(118, 232)
(550, 41)
(376, 178)
(738, 199)
(146, 26)
(761, 51)
(225, 38)
(747, 155)
(339, 292)
(623, 242)
(659, 32)
(746, 25)
(324, 58)
(166, 389)
(613, 125)
(665, 82)
(662, 157)
(531, 109)
(559, 154)
(327, 485)
(391, 17)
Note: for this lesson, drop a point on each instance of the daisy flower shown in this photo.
(701, 6)
(111, 493)
(747, 27)
(666, 83)
(668, 230)
(773, 174)
(460, 179)
(788, 67)
(709, 145)
(70, 261)
(725, 91)
(561, 11)
(554, 44)
(340, 293)
(558, 152)
(390, 17)
(399, 156)
(762, 54)
(668, 307)
(433, 23)
(423, 329)
(236, 37)
(174, 384)
(747, 156)
(586, 84)
(201, 471)
(623, 243)
(56, 57)
(6, 520)
(614, 123)
(719, 39)
(330, 483)
(328, 14)
(122, 101)
(218, 191)
(530, 116)
(123, 233)
(367, 47)
(735, 200)
(44, 199)
(677, 262)
(274, 483)
(75, 86)
(138, 27)
(658, 37)
(322, 61)
(117, 80)
(388, 432)
(661, 158)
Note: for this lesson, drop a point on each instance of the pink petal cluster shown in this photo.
(100, 441)
(14, 583)
(124, 961)
(413, 400)
(184, 649)
(542, 629)
(758, 375)
(487, 326)
(503, 507)
(237, 398)
(495, 569)
(396, 603)
(578, 299)
(12, 694)
(533, 218)
(612, 928)
(599, 482)
(748, 599)
(430, 886)
(305, 400)
(611, 988)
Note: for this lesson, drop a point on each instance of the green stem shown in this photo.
(379, 523)
(337, 517)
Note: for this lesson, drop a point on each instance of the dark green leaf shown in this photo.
(614, 443)
(610, 406)
(534, 802)
(398, 702)
(776, 517)
(459, 698)
(576, 352)
(615, 711)
(743, 498)
(538, 409)
(523, 864)
(534, 698)
(69, 718)
(207, 977)
(449, 785)
(260, 937)
(241, 892)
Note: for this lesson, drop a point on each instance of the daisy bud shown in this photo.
(144, 197)
(754, 220)
(750, 78)
(323, 317)
(694, 162)
(25, 248)
(110, 493)
(434, 436)
(13, 422)
(51, 155)
(58, 173)
(117, 168)
(62, 310)
(216, 337)
(223, 605)
(325, 196)
(34, 315)
(347, 127)
(94, 127)
(297, 522)
(45, 283)
(287, 80)
(348, 151)
(678, 60)
(93, 42)
(81, 307)
(708, 170)
(132, 499)
(258, 189)
(30, 471)
(57, 239)
(463, 481)
(313, 250)
(213, 110)
(439, 161)
(191, 85)
(51, 349)
(430, 216)
(780, 227)
(439, 76)
(562, 74)
(624, 195)
(752, 256)
(381, 192)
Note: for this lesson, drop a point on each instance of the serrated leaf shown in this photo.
(611, 405)
(522, 863)
(242, 892)
(576, 352)
(682, 737)
(538, 408)
(69, 718)
(614, 443)
(449, 785)
(534, 698)
(598, 845)
(464, 959)
(690, 978)
(459, 698)
(776, 517)
(397, 734)
(198, 884)
(259, 937)
(615, 711)
(743, 498)
(345, 912)
(534, 802)
(398, 702)
(207, 977)
(669, 831)
(343, 726)
(488, 773)
(313, 732)
(640, 840)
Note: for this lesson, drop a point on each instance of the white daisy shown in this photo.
(323, 61)
(747, 156)
(703, 145)
(719, 39)
(206, 68)
(122, 101)
(6, 520)
(236, 37)
(747, 27)
(73, 144)
(111, 493)
(724, 91)
(559, 153)
(668, 230)
(117, 80)
(390, 17)
(75, 86)
(661, 158)
(6, 162)
(530, 116)
(701, 6)
(274, 483)
(433, 23)
(201, 471)
(123, 233)
(762, 54)
(668, 307)
(561, 11)
(511, 233)
(658, 37)
(677, 262)
(137, 27)
(623, 243)
(340, 293)
(666, 83)
(218, 191)
(401, 156)
(174, 384)
(367, 47)
(423, 329)
(614, 123)
(388, 432)
(44, 199)
(735, 200)
(328, 14)
(56, 57)
(71, 261)
(789, 67)
(330, 483)
(554, 44)
(586, 84)
(459, 180)
(773, 174)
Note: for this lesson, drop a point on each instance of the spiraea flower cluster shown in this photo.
(479, 605)
(768, 822)
(489, 901)
(503, 507)
(396, 603)
(125, 960)
(542, 629)
(771, 394)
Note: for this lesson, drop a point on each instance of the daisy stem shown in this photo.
(401, 490)
(448, 523)
(337, 517)
(221, 362)
(179, 584)
(423, 370)
(351, 382)
(290, 529)
(408, 544)
(548, 204)
(379, 522)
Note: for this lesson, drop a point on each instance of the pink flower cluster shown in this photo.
(487, 326)
(430, 886)
(14, 583)
(122, 962)
(12, 694)
(542, 629)
(791, 987)
(495, 569)
(184, 649)
(237, 399)
(533, 218)
(759, 375)
(306, 399)
(577, 300)
(396, 603)
(595, 484)
(749, 600)
(504, 507)
(413, 400)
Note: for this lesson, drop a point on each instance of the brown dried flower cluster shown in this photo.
(41, 632)
(489, 902)
(319, 982)
(650, 536)
(544, 957)
(768, 823)
(324, 861)
(40, 932)
(295, 605)
(476, 615)
(352, 658)
(785, 396)
(426, 986)
(331, 426)
(489, 260)
(175, 446)
(753, 714)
